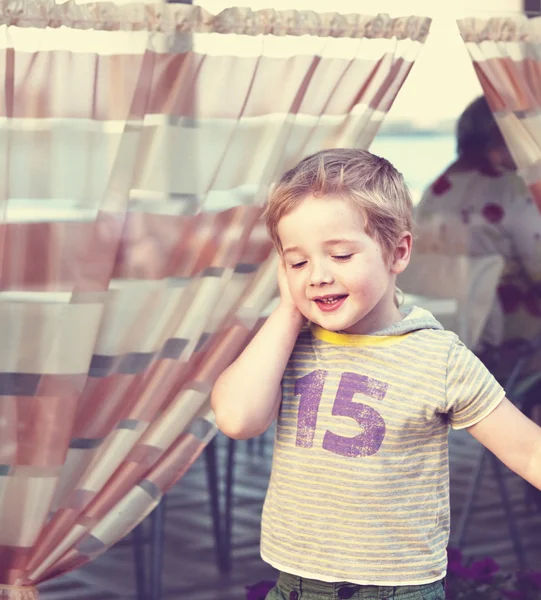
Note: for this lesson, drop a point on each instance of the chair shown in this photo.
(517, 386)
(458, 289)
(226, 515)
(531, 407)
(148, 538)
(149, 565)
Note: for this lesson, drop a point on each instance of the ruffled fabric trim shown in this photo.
(14, 592)
(500, 29)
(182, 18)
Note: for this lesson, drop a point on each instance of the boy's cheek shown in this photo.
(298, 296)
(293, 283)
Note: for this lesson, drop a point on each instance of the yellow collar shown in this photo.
(350, 339)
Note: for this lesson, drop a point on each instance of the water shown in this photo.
(420, 157)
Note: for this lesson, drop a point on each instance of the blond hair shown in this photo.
(370, 182)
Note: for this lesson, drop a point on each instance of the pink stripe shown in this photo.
(60, 256)
(127, 476)
(103, 403)
(157, 246)
(535, 189)
(161, 385)
(388, 86)
(506, 83)
(223, 351)
(175, 462)
(55, 530)
(66, 256)
(61, 385)
(13, 560)
(108, 400)
(39, 429)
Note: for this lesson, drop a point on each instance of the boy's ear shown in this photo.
(402, 253)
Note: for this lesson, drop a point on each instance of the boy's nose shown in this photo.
(320, 276)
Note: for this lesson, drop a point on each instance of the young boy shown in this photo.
(358, 501)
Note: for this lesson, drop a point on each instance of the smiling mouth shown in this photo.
(330, 301)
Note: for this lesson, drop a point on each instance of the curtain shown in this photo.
(506, 55)
(137, 146)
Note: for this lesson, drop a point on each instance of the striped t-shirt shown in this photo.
(359, 489)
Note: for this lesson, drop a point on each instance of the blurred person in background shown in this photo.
(482, 190)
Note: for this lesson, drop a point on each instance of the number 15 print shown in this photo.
(310, 390)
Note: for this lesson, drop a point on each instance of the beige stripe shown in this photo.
(25, 499)
(532, 173)
(76, 464)
(285, 548)
(286, 529)
(110, 456)
(205, 294)
(328, 399)
(155, 307)
(301, 509)
(328, 458)
(481, 414)
(260, 293)
(41, 337)
(329, 461)
(524, 148)
(333, 505)
(119, 521)
(333, 357)
(383, 371)
(175, 420)
(400, 436)
(89, 40)
(289, 484)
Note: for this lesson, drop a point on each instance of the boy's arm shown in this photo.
(514, 439)
(247, 395)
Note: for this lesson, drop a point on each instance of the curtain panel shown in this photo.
(137, 147)
(506, 55)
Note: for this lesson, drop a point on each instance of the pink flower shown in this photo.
(493, 213)
(441, 185)
(454, 563)
(484, 570)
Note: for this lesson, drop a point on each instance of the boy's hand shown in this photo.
(286, 299)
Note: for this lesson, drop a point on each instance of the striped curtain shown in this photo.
(506, 55)
(138, 143)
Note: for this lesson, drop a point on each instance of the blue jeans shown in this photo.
(291, 587)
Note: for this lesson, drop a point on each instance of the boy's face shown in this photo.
(338, 275)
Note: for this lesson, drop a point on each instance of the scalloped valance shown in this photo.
(500, 29)
(182, 18)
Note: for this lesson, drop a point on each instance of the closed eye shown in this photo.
(298, 265)
(343, 256)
